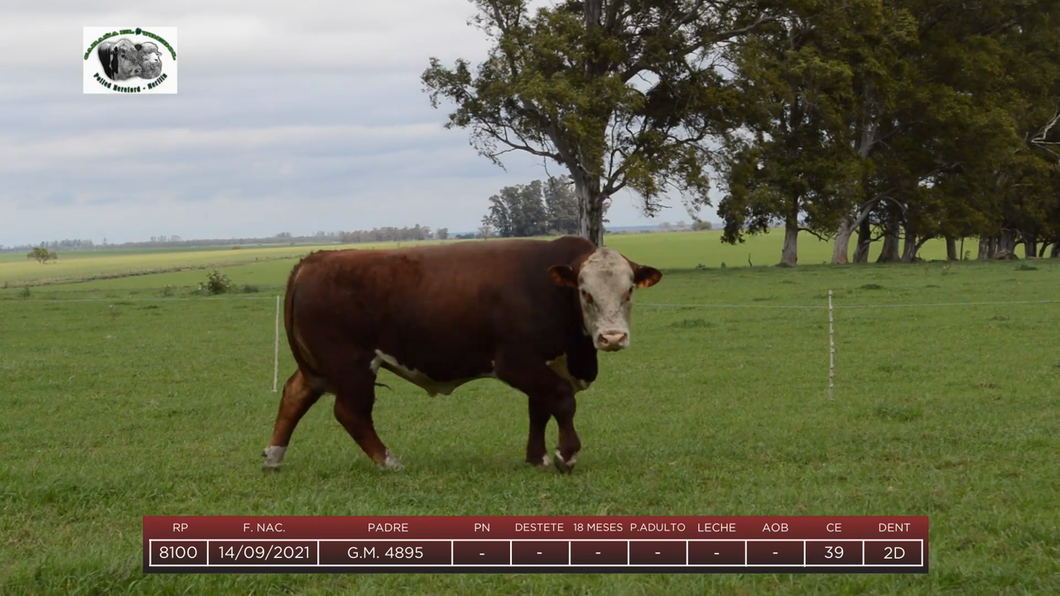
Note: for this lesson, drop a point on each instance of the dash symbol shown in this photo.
(774, 552)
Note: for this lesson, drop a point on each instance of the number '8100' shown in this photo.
(177, 552)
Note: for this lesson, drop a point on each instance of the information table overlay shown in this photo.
(687, 544)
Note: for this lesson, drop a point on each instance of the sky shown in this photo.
(290, 117)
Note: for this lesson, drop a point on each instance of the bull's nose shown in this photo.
(612, 341)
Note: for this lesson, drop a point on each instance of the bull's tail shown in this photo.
(289, 323)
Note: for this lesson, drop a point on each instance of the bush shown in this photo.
(216, 283)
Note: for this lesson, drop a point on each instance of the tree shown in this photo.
(937, 122)
(790, 150)
(873, 41)
(441, 233)
(42, 254)
(561, 206)
(501, 216)
(531, 215)
(485, 230)
(563, 85)
(518, 211)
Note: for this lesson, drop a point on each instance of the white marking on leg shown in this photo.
(274, 456)
(569, 463)
(392, 463)
(546, 460)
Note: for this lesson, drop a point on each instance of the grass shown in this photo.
(123, 408)
(685, 250)
(17, 270)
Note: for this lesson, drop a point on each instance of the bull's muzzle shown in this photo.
(612, 341)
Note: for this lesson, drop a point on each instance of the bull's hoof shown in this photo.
(273, 459)
(542, 463)
(565, 466)
(391, 463)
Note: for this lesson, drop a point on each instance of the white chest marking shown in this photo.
(432, 387)
(560, 366)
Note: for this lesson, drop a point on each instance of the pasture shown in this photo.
(123, 407)
(684, 250)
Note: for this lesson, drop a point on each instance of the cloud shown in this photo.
(291, 116)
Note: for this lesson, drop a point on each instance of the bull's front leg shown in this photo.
(549, 395)
(536, 452)
(563, 410)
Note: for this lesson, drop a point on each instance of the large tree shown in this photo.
(937, 123)
(789, 154)
(622, 93)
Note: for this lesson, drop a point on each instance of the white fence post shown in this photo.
(831, 347)
(276, 349)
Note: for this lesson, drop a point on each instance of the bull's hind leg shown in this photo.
(354, 400)
(298, 396)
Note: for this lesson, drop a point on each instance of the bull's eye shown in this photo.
(629, 294)
(587, 297)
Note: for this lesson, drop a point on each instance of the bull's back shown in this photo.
(439, 309)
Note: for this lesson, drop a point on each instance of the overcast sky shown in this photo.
(290, 117)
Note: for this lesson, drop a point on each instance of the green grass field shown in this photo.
(17, 270)
(124, 407)
(675, 250)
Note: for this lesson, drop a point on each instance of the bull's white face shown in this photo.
(605, 283)
(128, 59)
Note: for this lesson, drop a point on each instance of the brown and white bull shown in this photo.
(530, 313)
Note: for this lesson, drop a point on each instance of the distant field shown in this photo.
(679, 250)
(685, 250)
(16, 269)
(119, 409)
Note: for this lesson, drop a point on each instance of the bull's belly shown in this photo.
(431, 386)
(434, 387)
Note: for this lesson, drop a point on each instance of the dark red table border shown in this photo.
(263, 529)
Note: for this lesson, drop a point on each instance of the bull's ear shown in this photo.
(646, 277)
(563, 275)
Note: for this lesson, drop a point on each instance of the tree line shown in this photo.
(546, 208)
(540, 208)
(857, 121)
(385, 234)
